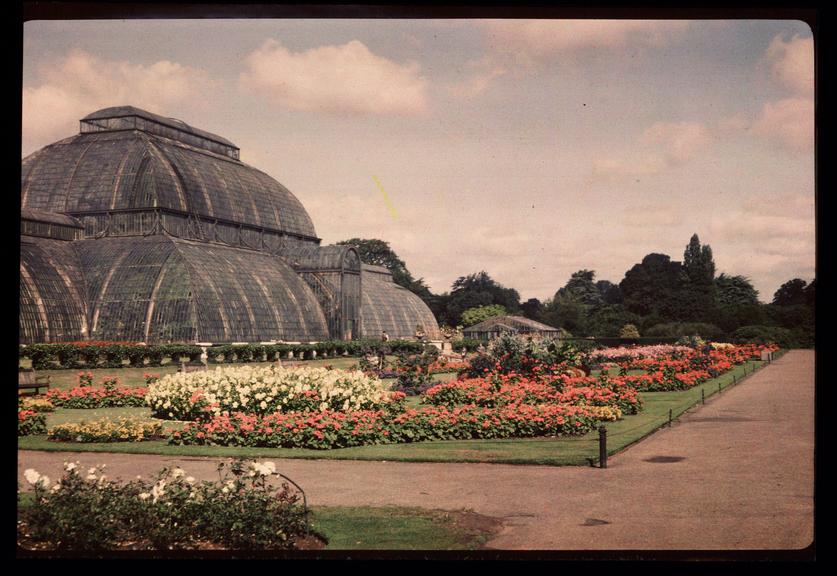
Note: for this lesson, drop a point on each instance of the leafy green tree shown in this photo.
(477, 290)
(379, 253)
(790, 293)
(654, 287)
(810, 293)
(699, 292)
(581, 285)
(532, 309)
(698, 262)
(566, 311)
(607, 320)
(735, 291)
(611, 294)
(479, 314)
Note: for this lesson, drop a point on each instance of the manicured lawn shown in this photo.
(393, 528)
(551, 451)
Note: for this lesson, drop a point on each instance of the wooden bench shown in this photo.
(30, 380)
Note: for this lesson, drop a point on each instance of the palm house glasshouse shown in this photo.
(142, 228)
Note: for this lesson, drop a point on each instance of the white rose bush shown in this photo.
(247, 508)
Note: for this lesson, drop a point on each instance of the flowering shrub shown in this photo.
(36, 404)
(85, 379)
(88, 397)
(335, 429)
(244, 509)
(30, 422)
(105, 430)
(263, 390)
(150, 378)
(110, 383)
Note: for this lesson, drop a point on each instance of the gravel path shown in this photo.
(737, 473)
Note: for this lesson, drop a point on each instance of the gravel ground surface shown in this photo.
(734, 474)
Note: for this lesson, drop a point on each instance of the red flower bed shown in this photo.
(90, 397)
(331, 429)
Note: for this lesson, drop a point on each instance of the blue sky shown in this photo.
(529, 149)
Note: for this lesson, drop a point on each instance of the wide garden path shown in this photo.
(737, 473)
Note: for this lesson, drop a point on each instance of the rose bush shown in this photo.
(245, 509)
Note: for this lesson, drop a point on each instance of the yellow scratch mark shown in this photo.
(387, 201)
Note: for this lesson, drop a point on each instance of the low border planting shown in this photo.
(106, 430)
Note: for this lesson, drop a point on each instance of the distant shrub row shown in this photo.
(47, 356)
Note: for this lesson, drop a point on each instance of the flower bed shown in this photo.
(504, 389)
(263, 390)
(333, 429)
(30, 422)
(106, 430)
(627, 353)
(36, 404)
(244, 509)
(90, 397)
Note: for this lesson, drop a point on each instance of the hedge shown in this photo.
(50, 356)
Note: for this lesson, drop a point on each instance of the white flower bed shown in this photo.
(262, 390)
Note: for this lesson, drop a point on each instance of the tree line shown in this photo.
(658, 297)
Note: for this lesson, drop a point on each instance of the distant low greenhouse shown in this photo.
(144, 229)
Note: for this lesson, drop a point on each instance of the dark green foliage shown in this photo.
(767, 334)
(680, 329)
(608, 320)
(735, 291)
(531, 309)
(791, 293)
(611, 294)
(654, 286)
(582, 287)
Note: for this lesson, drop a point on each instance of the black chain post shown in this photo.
(702, 396)
(602, 446)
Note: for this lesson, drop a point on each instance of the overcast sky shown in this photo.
(526, 148)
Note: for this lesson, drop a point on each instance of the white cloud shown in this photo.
(792, 64)
(539, 39)
(663, 145)
(479, 78)
(81, 83)
(789, 122)
(679, 141)
(336, 79)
